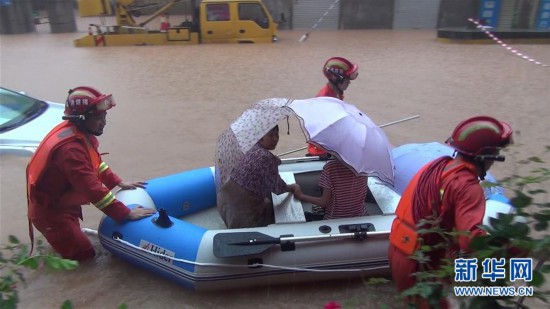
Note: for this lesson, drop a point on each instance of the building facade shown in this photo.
(409, 14)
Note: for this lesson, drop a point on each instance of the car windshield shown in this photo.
(17, 109)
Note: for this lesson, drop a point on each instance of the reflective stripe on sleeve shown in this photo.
(102, 167)
(106, 201)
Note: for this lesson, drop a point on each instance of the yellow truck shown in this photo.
(214, 21)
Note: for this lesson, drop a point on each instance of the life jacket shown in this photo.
(404, 235)
(58, 136)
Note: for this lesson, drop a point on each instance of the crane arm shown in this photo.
(123, 16)
(159, 12)
(123, 10)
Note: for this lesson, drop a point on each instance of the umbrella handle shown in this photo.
(382, 126)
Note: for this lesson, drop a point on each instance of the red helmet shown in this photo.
(87, 100)
(481, 135)
(336, 69)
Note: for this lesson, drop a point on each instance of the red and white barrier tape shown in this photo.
(508, 47)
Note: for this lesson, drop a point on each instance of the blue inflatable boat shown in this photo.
(187, 242)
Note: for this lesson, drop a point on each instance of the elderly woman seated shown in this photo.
(245, 200)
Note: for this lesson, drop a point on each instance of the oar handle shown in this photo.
(361, 234)
(273, 241)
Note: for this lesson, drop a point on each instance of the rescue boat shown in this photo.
(187, 242)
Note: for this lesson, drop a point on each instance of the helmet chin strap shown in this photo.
(78, 120)
(482, 170)
(479, 161)
(336, 84)
(340, 91)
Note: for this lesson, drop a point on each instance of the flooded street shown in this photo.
(174, 101)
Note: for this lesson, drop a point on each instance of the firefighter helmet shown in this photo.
(480, 136)
(336, 69)
(87, 100)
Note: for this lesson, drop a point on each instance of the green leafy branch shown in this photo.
(14, 259)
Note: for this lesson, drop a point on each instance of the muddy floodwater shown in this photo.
(174, 101)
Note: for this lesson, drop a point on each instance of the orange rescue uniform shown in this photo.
(66, 172)
(326, 91)
(462, 208)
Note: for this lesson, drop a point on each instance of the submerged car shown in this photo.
(25, 121)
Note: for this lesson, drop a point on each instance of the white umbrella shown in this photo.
(346, 132)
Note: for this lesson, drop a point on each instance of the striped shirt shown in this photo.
(348, 191)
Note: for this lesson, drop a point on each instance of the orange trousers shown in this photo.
(402, 270)
(65, 236)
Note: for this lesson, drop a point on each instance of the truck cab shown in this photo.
(235, 21)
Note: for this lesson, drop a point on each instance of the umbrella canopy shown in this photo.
(409, 158)
(246, 131)
(346, 132)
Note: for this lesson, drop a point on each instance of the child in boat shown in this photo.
(344, 192)
(245, 200)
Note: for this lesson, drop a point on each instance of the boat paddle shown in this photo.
(248, 243)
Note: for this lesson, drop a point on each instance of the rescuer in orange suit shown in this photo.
(67, 171)
(451, 187)
(339, 72)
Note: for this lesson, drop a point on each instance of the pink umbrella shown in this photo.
(346, 132)
(244, 132)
